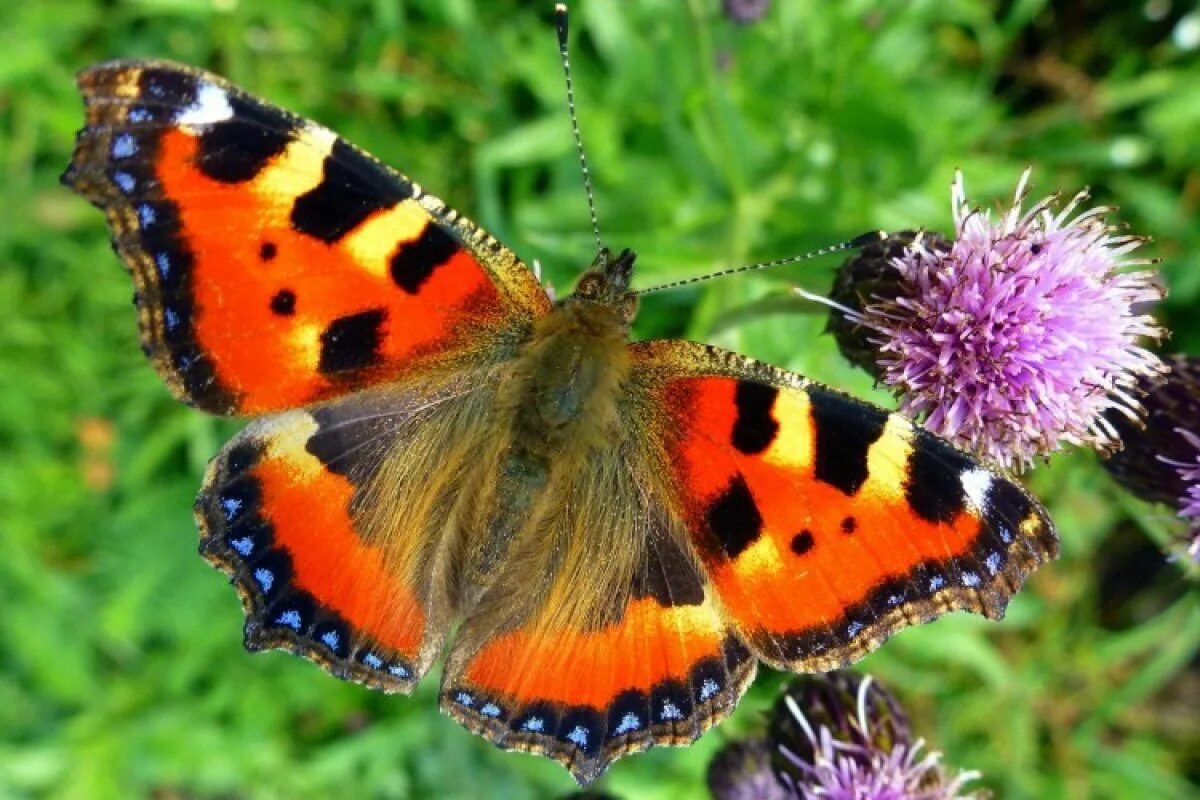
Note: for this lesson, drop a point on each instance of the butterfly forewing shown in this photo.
(275, 264)
(824, 523)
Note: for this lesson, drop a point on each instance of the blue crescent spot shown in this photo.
(244, 546)
(464, 698)
(373, 661)
(629, 722)
(265, 578)
(490, 710)
(708, 688)
(992, 562)
(534, 724)
(146, 215)
(290, 618)
(331, 639)
(579, 735)
(124, 146)
(853, 628)
(125, 181)
(936, 582)
(670, 711)
(231, 506)
(399, 671)
(137, 115)
(164, 264)
(970, 579)
(170, 318)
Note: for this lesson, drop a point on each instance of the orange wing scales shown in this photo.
(827, 524)
(276, 265)
(277, 518)
(664, 671)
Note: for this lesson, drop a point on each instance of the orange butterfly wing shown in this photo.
(286, 511)
(275, 264)
(662, 668)
(827, 524)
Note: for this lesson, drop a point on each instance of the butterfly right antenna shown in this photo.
(858, 241)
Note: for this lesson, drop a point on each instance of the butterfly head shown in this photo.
(607, 282)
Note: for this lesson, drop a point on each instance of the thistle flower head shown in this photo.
(841, 737)
(746, 12)
(742, 771)
(1014, 338)
(1189, 501)
(1160, 456)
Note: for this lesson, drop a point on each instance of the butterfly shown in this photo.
(603, 537)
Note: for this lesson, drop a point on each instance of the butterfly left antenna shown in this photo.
(560, 26)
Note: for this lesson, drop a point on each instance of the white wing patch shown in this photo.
(212, 105)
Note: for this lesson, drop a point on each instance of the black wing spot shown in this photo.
(168, 87)
(582, 727)
(368, 438)
(1007, 508)
(845, 431)
(237, 151)
(755, 428)
(629, 713)
(934, 486)
(802, 543)
(352, 188)
(352, 342)
(668, 575)
(413, 262)
(849, 525)
(670, 702)
(284, 303)
(733, 518)
(267, 251)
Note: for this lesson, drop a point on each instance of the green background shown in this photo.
(121, 667)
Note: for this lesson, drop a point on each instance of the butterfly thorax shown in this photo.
(563, 388)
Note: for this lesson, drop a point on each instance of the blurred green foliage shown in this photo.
(713, 144)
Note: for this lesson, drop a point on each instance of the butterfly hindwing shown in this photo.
(827, 524)
(624, 649)
(289, 510)
(275, 264)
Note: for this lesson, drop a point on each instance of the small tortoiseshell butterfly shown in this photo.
(615, 532)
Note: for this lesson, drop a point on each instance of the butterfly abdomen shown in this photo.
(555, 408)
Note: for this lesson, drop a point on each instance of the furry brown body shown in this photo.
(479, 472)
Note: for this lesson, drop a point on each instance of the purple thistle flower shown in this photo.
(1014, 339)
(742, 771)
(746, 12)
(850, 772)
(1149, 445)
(1189, 502)
(841, 737)
(1160, 457)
